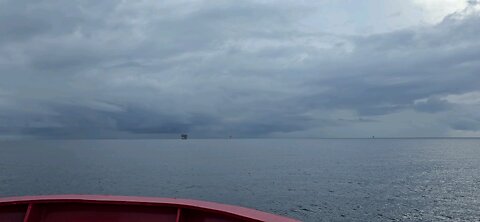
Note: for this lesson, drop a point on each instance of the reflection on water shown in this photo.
(312, 180)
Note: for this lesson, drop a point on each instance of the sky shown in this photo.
(215, 68)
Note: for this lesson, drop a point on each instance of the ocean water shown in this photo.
(307, 179)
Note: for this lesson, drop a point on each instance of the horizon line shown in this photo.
(227, 138)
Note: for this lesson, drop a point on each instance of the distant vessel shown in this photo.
(184, 136)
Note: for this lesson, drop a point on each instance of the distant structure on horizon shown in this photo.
(183, 136)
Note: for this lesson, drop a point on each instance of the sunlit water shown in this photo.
(311, 180)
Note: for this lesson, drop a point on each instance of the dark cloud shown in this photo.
(149, 69)
(465, 124)
(433, 105)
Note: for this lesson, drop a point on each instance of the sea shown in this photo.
(306, 179)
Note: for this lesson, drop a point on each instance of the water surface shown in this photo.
(308, 179)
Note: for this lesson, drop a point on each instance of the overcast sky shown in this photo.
(266, 68)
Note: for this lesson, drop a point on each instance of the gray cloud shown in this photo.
(433, 105)
(466, 124)
(82, 69)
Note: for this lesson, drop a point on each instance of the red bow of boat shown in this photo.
(94, 208)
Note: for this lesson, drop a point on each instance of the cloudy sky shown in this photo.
(264, 68)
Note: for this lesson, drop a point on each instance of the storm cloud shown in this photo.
(155, 69)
